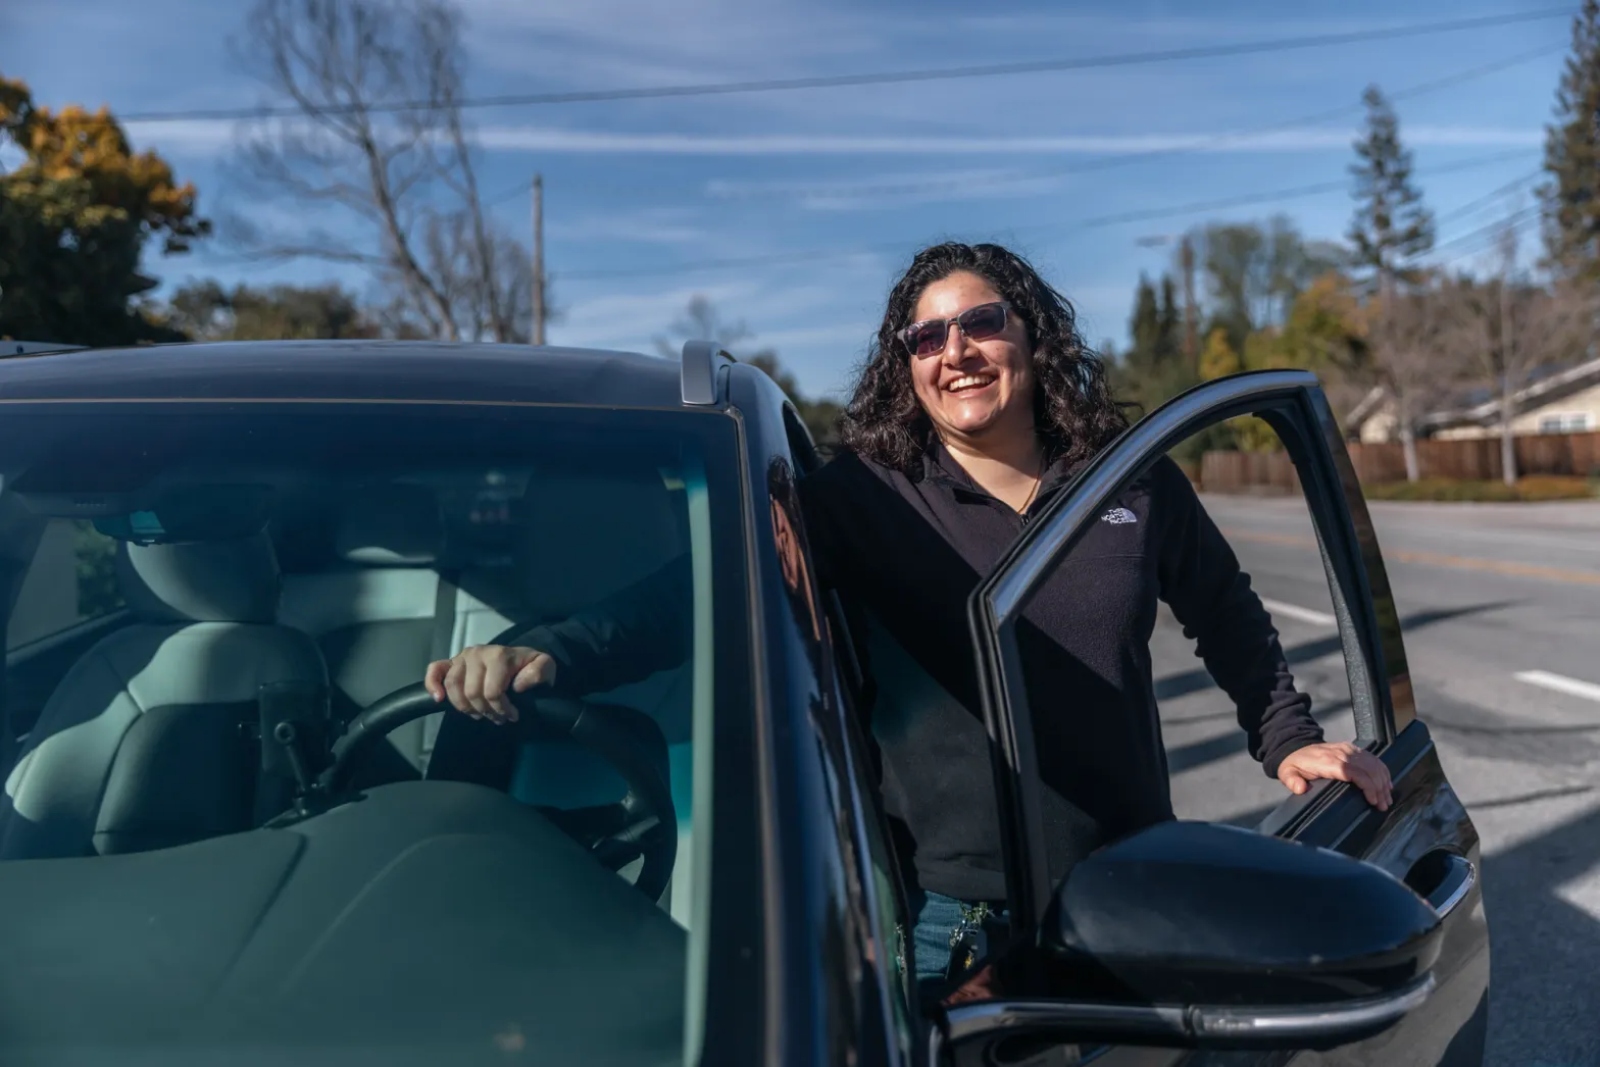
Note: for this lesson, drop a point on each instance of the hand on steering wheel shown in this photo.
(489, 682)
(480, 680)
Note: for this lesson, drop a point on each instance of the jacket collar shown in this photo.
(941, 468)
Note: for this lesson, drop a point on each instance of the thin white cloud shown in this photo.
(662, 226)
(201, 135)
(909, 188)
(547, 139)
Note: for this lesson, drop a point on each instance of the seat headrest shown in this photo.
(390, 526)
(202, 581)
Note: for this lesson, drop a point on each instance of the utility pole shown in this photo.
(1508, 359)
(1191, 327)
(538, 259)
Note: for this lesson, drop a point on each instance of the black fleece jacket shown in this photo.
(905, 552)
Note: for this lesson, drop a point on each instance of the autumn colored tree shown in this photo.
(75, 217)
(1218, 359)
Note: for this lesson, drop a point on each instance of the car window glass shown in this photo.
(308, 562)
(887, 882)
(1248, 489)
(70, 580)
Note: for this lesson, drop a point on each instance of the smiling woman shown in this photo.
(978, 405)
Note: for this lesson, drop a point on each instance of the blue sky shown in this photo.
(641, 195)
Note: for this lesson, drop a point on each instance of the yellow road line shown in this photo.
(1436, 559)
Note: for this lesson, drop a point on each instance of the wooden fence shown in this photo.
(1478, 459)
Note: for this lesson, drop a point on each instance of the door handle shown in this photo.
(1448, 879)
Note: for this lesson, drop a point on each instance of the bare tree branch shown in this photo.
(408, 176)
(1413, 352)
(1509, 329)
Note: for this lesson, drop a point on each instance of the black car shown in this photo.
(232, 833)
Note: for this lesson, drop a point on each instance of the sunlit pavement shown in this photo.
(1501, 606)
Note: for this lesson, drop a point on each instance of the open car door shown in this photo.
(1425, 838)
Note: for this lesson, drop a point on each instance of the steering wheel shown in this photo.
(643, 824)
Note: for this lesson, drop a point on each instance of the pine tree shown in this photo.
(1570, 200)
(1391, 222)
(1169, 338)
(1144, 328)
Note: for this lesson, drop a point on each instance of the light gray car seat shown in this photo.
(143, 744)
(382, 611)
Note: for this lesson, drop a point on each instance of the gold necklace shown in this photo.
(1038, 480)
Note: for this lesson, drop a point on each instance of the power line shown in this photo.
(1202, 143)
(1474, 239)
(1275, 195)
(822, 254)
(1280, 44)
(1096, 222)
(1488, 198)
(1106, 162)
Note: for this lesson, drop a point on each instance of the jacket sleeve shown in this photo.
(1211, 597)
(825, 504)
(644, 628)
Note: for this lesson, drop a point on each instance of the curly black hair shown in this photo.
(1074, 411)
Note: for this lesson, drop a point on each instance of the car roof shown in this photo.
(353, 370)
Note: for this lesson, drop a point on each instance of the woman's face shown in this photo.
(973, 389)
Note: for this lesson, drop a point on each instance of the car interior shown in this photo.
(142, 639)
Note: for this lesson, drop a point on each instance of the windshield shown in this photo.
(199, 852)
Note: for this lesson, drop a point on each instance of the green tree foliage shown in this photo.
(1571, 198)
(701, 321)
(75, 217)
(1153, 368)
(821, 416)
(1391, 223)
(205, 311)
(98, 590)
(1254, 271)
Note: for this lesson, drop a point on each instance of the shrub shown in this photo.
(1532, 488)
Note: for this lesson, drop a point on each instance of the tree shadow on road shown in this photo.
(1545, 950)
(1192, 681)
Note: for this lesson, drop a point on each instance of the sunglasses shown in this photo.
(978, 323)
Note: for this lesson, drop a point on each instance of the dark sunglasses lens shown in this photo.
(926, 338)
(983, 322)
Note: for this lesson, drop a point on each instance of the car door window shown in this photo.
(1245, 486)
(1423, 837)
(1092, 625)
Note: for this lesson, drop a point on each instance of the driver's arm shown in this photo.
(630, 635)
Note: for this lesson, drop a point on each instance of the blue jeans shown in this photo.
(936, 921)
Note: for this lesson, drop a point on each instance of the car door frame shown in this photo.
(1331, 814)
(1291, 402)
(817, 836)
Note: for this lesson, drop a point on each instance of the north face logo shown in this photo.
(1119, 517)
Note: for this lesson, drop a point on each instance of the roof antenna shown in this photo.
(701, 361)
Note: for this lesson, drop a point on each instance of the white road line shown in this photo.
(1291, 611)
(1561, 684)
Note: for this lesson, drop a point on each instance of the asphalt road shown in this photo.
(1501, 606)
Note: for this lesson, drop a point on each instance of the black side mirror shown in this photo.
(1199, 936)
